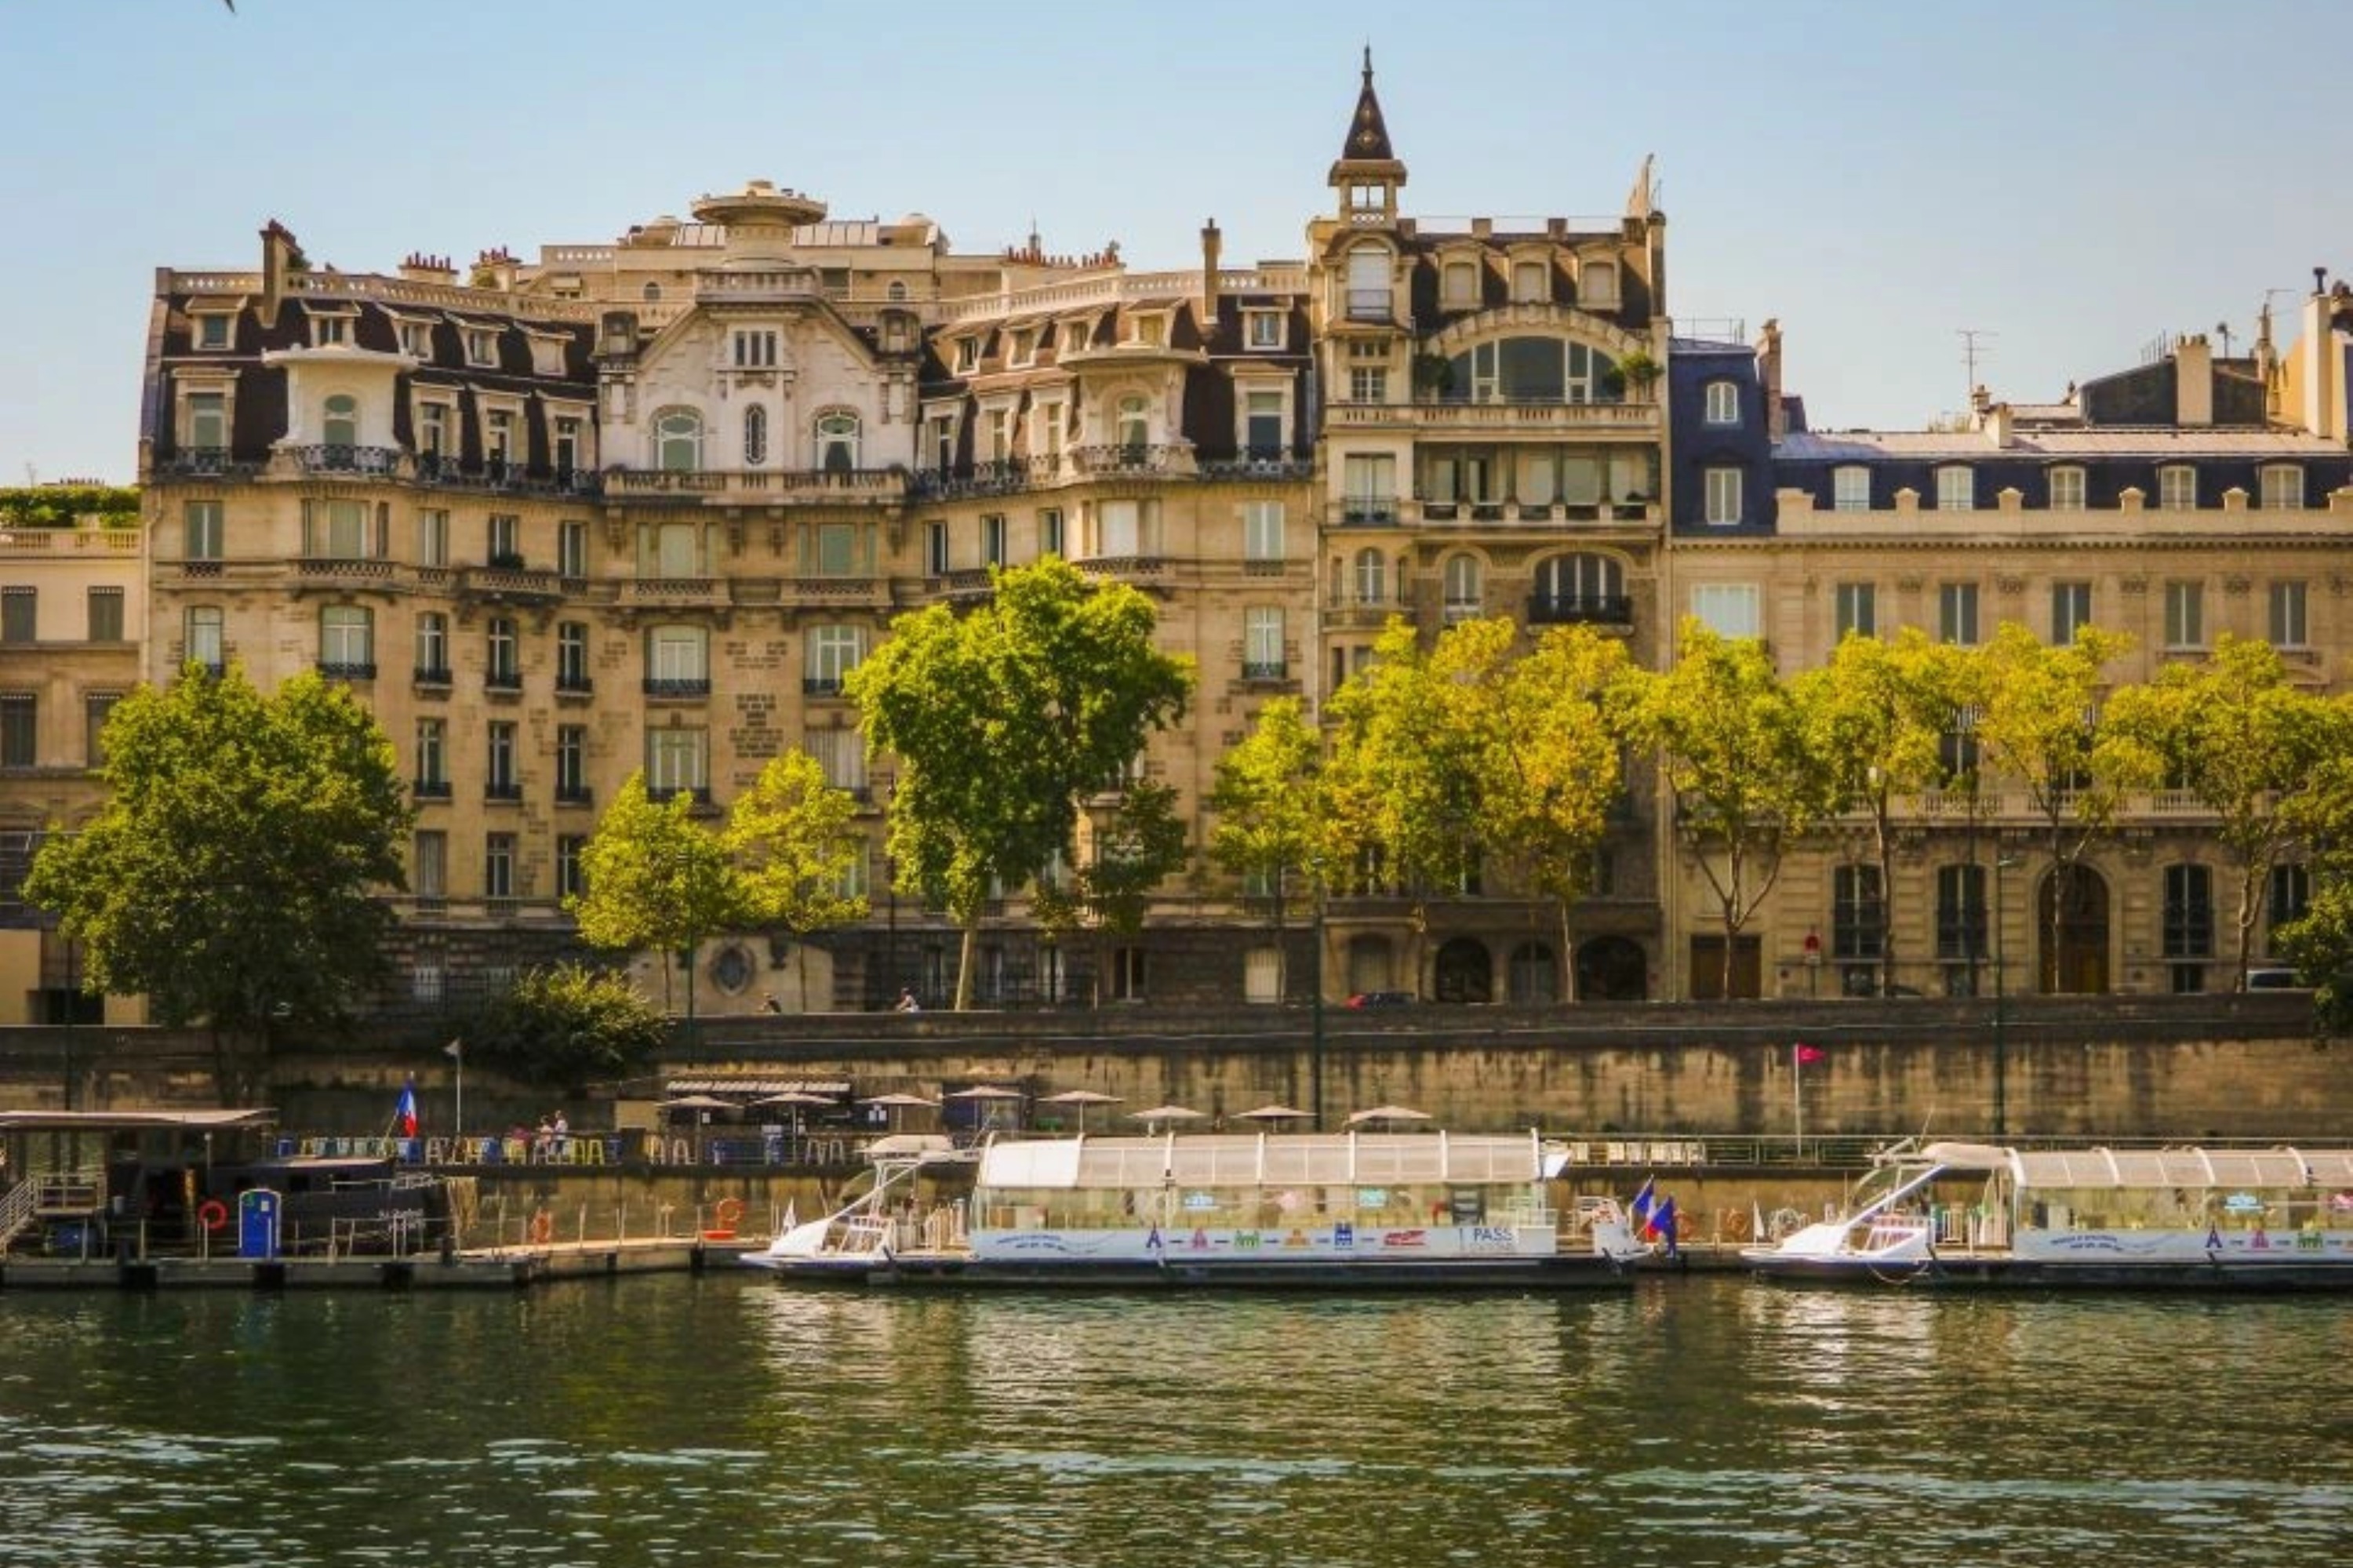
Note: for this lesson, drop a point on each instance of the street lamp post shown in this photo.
(456, 1052)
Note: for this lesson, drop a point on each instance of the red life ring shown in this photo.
(730, 1210)
(542, 1226)
(212, 1213)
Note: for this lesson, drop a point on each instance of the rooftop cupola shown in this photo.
(1368, 174)
(759, 219)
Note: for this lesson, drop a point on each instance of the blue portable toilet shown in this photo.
(257, 1224)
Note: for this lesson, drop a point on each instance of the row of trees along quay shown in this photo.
(232, 875)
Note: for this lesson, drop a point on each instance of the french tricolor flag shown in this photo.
(404, 1115)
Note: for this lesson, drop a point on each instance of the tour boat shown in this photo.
(1352, 1210)
(1975, 1214)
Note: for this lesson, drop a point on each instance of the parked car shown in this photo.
(2275, 979)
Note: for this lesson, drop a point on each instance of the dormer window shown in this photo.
(498, 435)
(968, 354)
(2281, 487)
(755, 348)
(1850, 488)
(212, 330)
(2176, 487)
(1150, 330)
(1956, 489)
(546, 354)
(417, 339)
(1530, 286)
(331, 331)
(2067, 489)
(1597, 285)
(432, 430)
(482, 346)
(1458, 284)
(1723, 403)
(1264, 330)
(1023, 348)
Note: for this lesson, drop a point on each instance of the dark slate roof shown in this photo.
(1368, 134)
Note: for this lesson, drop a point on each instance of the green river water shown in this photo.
(723, 1420)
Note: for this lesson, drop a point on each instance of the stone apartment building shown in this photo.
(644, 504)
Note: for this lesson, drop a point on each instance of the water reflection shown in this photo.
(719, 1421)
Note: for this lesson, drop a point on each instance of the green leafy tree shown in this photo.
(2238, 735)
(794, 839)
(1139, 843)
(1268, 804)
(567, 1025)
(2320, 942)
(1004, 720)
(1732, 741)
(2040, 727)
(232, 875)
(656, 880)
(1876, 715)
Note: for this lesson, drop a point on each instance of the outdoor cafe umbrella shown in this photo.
(701, 1105)
(1079, 1099)
(897, 1101)
(798, 1099)
(1166, 1113)
(1277, 1112)
(1387, 1113)
(988, 1096)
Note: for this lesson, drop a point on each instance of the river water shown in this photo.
(724, 1420)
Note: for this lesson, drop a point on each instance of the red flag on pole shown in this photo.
(1806, 1054)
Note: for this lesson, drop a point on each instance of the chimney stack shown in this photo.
(2193, 380)
(281, 259)
(1769, 371)
(1212, 246)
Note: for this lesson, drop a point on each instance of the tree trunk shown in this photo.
(965, 946)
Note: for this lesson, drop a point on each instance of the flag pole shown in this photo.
(1798, 1096)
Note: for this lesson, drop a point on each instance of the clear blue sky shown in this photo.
(2073, 177)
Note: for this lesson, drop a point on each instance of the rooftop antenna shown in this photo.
(1970, 354)
(2222, 331)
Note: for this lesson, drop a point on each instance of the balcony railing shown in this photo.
(1586, 608)
(347, 669)
(497, 582)
(334, 457)
(1259, 464)
(1123, 459)
(205, 462)
(501, 790)
(502, 681)
(575, 795)
(1499, 418)
(343, 568)
(661, 794)
(1369, 512)
(430, 789)
(995, 477)
(674, 592)
(505, 476)
(677, 686)
(1264, 670)
(819, 484)
(431, 675)
(574, 685)
(822, 685)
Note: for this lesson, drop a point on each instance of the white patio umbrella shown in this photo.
(897, 1101)
(1276, 1113)
(1158, 1114)
(797, 1099)
(1387, 1113)
(1079, 1099)
(988, 1096)
(701, 1106)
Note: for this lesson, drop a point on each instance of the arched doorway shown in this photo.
(1611, 969)
(1463, 972)
(1532, 979)
(2079, 964)
(1370, 964)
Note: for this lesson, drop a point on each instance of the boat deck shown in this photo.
(497, 1268)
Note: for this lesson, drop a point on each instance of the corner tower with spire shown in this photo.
(1368, 174)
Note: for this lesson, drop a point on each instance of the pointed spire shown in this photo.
(1640, 203)
(1365, 152)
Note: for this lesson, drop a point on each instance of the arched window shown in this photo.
(1134, 427)
(1459, 283)
(341, 428)
(1579, 589)
(1371, 574)
(1723, 403)
(1531, 370)
(1465, 587)
(1598, 284)
(653, 294)
(837, 443)
(755, 436)
(678, 440)
(897, 292)
(1368, 285)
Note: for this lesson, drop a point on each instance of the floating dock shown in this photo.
(502, 1268)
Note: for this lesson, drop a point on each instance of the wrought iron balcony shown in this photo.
(347, 669)
(430, 789)
(1588, 608)
(1264, 670)
(575, 795)
(431, 675)
(821, 685)
(335, 457)
(205, 462)
(1369, 511)
(677, 686)
(1123, 458)
(502, 681)
(503, 789)
(1257, 462)
(1001, 476)
(569, 684)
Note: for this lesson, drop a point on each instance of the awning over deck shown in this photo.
(1225, 1160)
(2143, 1168)
(129, 1120)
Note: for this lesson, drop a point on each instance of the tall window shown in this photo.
(572, 656)
(1579, 587)
(1729, 610)
(106, 615)
(504, 542)
(678, 439)
(1466, 594)
(2066, 489)
(432, 757)
(1368, 384)
(673, 550)
(755, 348)
(497, 865)
(498, 768)
(677, 660)
(432, 430)
(1723, 406)
(504, 648)
(675, 760)
(2289, 894)
(1262, 643)
(935, 549)
(1134, 421)
(571, 762)
(97, 707)
(833, 652)
(837, 443)
(433, 538)
(2176, 487)
(208, 424)
(572, 548)
(1368, 285)
(339, 424)
(1961, 914)
(1850, 488)
(2280, 486)
(755, 436)
(1858, 609)
(567, 453)
(202, 531)
(1956, 489)
(19, 730)
(1956, 614)
(1722, 496)
(337, 530)
(1370, 576)
(2185, 615)
(2070, 609)
(1263, 530)
(498, 438)
(569, 881)
(2188, 925)
(20, 614)
(1458, 284)
(1369, 480)
(347, 641)
(428, 869)
(1049, 529)
(841, 756)
(992, 539)
(1530, 283)
(832, 550)
(1262, 425)
(205, 643)
(2288, 625)
(1857, 914)
(432, 646)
